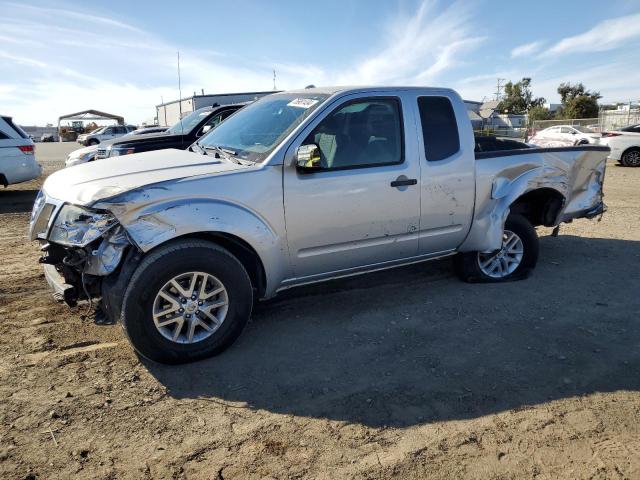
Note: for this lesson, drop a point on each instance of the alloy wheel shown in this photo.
(505, 261)
(190, 307)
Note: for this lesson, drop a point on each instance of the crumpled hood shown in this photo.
(90, 182)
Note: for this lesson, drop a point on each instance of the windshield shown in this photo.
(98, 131)
(583, 129)
(189, 122)
(253, 132)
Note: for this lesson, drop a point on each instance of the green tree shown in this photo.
(518, 98)
(577, 101)
(581, 107)
(539, 113)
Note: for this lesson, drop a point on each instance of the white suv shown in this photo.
(105, 133)
(17, 154)
(625, 145)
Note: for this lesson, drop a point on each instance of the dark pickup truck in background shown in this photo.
(180, 136)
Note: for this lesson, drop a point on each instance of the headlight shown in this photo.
(37, 205)
(114, 152)
(77, 227)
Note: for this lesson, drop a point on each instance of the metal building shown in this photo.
(169, 113)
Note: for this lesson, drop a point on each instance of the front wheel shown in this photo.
(186, 301)
(514, 261)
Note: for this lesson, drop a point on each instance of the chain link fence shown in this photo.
(607, 120)
(593, 123)
(615, 119)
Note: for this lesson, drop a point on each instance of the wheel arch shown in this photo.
(632, 148)
(240, 249)
(541, 206)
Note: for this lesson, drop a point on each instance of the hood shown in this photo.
(90, 182)
(141, 136)
(148, 139)
(82, 151)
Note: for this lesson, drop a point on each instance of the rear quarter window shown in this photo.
(439, 128)
(15, 127)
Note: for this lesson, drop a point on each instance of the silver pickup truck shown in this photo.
(299, 187)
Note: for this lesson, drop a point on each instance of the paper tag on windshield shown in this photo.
(302, 102)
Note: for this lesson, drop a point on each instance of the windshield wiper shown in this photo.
(223, 152)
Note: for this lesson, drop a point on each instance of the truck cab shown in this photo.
(299, 187)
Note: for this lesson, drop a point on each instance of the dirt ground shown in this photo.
(407, 373)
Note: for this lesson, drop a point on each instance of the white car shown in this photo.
(81, 155)
(565, 136)
(625, 145)
(17, 154)
(105, 133)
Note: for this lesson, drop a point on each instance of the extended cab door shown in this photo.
(447, 182)
(362, 207)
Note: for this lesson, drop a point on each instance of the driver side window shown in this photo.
(361, 133)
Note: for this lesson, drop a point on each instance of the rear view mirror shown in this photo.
(308, 157)
(205, 129)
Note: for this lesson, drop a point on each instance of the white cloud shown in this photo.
(526, 49)
(69, 61)
(606, 35)
(419, 47)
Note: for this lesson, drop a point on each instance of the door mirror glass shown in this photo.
(308, 157)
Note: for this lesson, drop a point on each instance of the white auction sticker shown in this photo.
(302, 102)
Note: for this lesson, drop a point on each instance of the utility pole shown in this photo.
(180, 96)
(274, 79)
(499, 87)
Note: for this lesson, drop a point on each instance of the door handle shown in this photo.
(403, 181)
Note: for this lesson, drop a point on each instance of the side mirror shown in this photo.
(308, 158)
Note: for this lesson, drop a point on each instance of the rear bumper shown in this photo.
(62, 292)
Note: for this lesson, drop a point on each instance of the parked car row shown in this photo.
(180, 136)
(17, 154)
(294, 188)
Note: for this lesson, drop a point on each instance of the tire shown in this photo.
(143, 324)
(468, 265)
(631, 158)
(93, 141)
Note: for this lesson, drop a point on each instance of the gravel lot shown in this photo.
(407, 373)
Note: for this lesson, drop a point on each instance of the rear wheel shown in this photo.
(631, 158)
(515, 259)
(186, 301)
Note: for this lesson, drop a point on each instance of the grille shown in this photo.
(102, 153)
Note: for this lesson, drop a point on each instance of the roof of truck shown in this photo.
(362, 88)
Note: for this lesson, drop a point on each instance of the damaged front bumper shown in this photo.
(62, 291)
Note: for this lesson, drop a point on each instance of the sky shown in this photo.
(121, 56)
